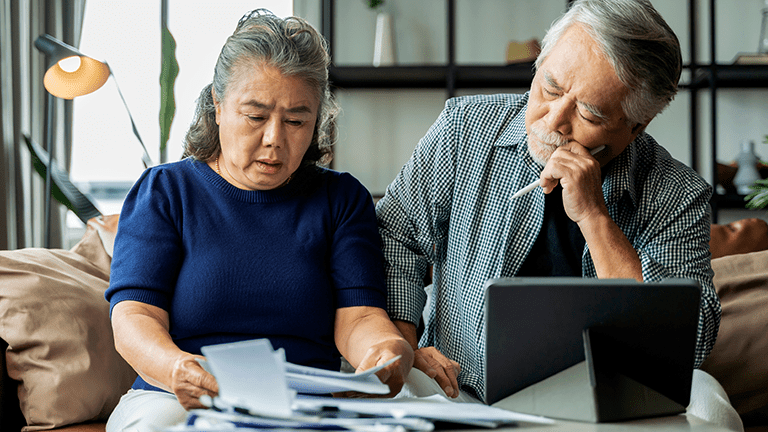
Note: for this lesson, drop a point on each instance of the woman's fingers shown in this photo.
(190, 381)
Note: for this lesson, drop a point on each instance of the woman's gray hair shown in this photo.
(290, 45)
(638, 43)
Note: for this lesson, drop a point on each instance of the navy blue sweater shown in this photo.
(229, 264)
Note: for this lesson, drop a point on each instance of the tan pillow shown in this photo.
(739, 359)
(55, 319)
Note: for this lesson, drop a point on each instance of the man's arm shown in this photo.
(673, 243)
(578, 172)
(412, 216)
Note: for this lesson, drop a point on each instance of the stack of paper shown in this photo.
(258, 389)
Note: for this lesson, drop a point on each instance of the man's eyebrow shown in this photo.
(595, 111)
(296, 110)
(551, 81)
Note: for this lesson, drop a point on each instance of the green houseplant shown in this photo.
(758, 198)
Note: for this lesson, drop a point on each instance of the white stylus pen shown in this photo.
(535, 184)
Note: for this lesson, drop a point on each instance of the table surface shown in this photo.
(682, 422)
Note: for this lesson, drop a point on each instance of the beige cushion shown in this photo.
(55, 319)
(739, 359)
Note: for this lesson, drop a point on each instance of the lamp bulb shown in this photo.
(70, 64)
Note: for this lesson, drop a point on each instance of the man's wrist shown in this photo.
(408, 330)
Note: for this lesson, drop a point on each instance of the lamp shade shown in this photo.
(88, 77)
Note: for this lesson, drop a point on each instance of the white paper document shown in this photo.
(258, 390)
(241, 364)
(309, 380)
(434, 408)
(250, 375)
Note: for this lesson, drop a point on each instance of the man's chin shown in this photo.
(539, 155)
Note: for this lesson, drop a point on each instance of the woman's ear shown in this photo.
(216, 104)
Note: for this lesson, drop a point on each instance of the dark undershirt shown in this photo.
(558, 248)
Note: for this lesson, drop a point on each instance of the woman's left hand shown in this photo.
(395, 374)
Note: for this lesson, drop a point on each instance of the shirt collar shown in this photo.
(618, 181)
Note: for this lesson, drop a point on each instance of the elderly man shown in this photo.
(606, 69)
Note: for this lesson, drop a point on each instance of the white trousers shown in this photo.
(151, 411)
(708, 399)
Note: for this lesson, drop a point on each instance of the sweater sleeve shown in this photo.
(148, 250)
(356, 261)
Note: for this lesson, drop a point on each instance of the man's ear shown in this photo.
(639, 128)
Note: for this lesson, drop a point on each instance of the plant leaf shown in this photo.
(758, 198)
(168, 72)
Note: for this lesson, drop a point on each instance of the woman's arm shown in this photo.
(366, 338)
(142, 338)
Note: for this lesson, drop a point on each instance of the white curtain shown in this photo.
(22, 112)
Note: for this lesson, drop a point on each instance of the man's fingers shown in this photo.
(421, 363)
(446, 379)
(446, 371)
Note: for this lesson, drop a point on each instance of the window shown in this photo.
(106, 156)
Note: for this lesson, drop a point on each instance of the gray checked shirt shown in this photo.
(450, 207)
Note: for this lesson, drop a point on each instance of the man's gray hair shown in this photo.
(290, 45)
(638, 43)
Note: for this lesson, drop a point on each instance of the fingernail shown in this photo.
(448, 391)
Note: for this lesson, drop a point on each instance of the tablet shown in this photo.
(537, 328)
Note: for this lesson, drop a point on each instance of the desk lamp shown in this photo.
(71, 74)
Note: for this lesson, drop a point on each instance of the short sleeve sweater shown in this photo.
(229, 264)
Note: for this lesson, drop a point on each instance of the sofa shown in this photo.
(60, 369)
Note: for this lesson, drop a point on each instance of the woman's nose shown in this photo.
(273, 133)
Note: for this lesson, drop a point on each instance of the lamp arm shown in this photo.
(145, 159)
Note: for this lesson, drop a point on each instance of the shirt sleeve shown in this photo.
(147, 251)
(413, 218)
(677, 246)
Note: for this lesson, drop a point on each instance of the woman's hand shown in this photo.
(189, 381)
(142, 338)
(395, 374)
(366, 338)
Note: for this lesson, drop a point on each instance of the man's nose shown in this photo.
(560, 116)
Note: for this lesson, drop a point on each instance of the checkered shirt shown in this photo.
(450, 207)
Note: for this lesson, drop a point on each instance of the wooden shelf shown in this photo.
(515, 76)
(511, 76)
(452, 77)
(731, 76)
(728, 201)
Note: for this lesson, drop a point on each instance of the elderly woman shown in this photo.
(248, 237)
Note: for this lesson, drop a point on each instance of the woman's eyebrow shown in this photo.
(260, 105)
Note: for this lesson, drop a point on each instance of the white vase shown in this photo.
(747, 173)
(384, 45)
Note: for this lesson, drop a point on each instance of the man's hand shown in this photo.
(189, 381)
(440, 368)
(578, 172)
(431, 361)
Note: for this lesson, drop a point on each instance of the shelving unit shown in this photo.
(704, 77)
(717, 76)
